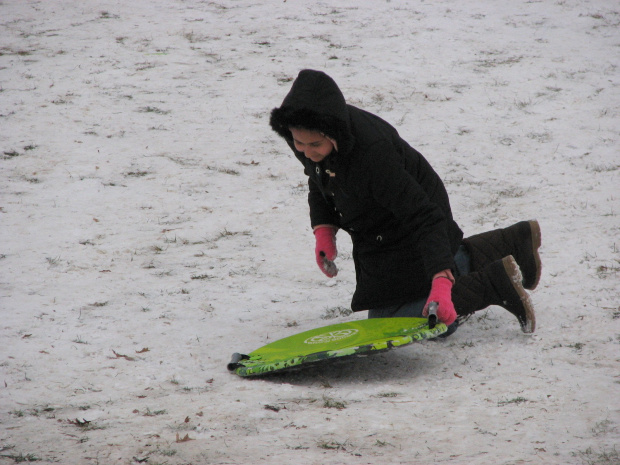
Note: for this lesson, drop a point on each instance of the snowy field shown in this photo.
(151, 224)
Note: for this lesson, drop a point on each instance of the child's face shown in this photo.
(312, 144)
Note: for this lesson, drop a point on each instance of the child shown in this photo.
(407, 249)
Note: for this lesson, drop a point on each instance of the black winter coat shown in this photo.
(375, 187)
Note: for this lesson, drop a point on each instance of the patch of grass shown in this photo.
(333, 445)
(150, 109)
(9, 51)
(523, 104)
(603, 427)
(379, 443)
(34, 412)
(511, 192)
(335, 312)
(603, 457)
(10, 154)
(107, 15)
(144, 66)
(136, 174)
(541, 137)
(516, 401)
(604, 168)
(173, 240)
(226, 233)
(154, 413)
(493, 62)
(157, 249)
(53, 261)
(21, 457)
(577, 346)
(194, 38)
(201, 277)
(223, 170)
(328, 402)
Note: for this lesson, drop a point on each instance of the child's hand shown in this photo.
(441, 292)
(325, 250)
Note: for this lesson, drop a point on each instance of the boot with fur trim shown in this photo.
(520, 240)
(499, 283)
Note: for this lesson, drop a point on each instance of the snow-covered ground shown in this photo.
(151, 224)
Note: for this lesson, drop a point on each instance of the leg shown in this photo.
(409, 309)
(414, 308)
(498, 283)
(520, 240)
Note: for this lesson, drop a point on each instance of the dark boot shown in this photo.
(520, 240)
(496, 284)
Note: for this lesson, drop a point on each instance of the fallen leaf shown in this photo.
(186, 419)
(184, 438)
(144, 349)
(126, 357)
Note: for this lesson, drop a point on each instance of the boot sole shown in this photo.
(536, 243)
(514, 273)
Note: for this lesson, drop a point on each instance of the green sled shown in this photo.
(361, 337)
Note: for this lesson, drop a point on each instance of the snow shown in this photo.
(151, 224)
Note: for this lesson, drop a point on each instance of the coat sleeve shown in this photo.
(321, 212)
(398, 191)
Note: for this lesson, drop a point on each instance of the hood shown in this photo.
(315, 103)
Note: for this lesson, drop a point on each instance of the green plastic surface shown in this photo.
(359, 337)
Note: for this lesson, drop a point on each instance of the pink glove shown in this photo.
(326, 249)
(441, 292)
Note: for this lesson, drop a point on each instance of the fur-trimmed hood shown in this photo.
(315, 103)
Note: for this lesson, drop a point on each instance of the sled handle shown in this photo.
(234, 361)
(432, 314)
